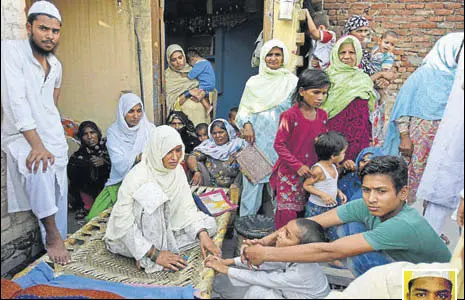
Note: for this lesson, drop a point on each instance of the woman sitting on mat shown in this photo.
(155, 216)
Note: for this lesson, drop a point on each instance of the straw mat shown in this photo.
(92, 260)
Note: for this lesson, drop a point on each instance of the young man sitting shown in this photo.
(281, 280)
(394, 229)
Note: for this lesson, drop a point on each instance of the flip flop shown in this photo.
(338, 267)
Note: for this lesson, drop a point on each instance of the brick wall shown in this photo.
(420, 23)
(20, 237)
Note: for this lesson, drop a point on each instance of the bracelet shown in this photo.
(155, 255)
(200, 231)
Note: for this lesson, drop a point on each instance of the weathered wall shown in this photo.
(420, 23)
(20, 232)
(98, 51)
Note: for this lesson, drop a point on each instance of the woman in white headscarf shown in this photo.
(178, 85)
(420, 105)
(155, 217)
(444, 175)
(265, 97)
(126, 138)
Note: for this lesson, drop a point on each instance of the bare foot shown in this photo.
(58, 253)
(337, 264)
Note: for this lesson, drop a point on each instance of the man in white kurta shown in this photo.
(32, 135)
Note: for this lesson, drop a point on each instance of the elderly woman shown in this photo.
(155, 217)
(178, 86)
(357, 26)
(351, 96)
(214, 163)
(126, 138)
(265, 97)
(88, 168)
(420, 105)
(179, 121)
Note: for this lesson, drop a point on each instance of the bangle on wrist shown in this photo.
(200, 231)
(154, 255)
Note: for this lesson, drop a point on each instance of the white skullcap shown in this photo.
(431, 273)
(44, 7)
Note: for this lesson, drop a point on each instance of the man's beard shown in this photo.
(37, 49)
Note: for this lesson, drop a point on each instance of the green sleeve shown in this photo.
(354, 211)
(392, 235)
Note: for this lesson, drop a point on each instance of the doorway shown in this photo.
(224, 32)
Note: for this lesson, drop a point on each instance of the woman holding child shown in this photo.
(155, 217)
(178, 85)
(265, 97)
(215, 162)
(351, 97)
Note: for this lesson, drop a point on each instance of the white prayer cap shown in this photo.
(44, 7)
(431, 273)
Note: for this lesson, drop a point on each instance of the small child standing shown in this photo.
(232, 120)
(323, 40)
(298, 126)
(382, 61)
(280, 280)
(201, 131)
(202, 70)
(322, 184)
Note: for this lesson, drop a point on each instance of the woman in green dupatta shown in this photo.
(351, 96)
(177, 84)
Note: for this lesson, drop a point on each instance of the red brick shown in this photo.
(396, 6)
(436, 19)
(453, 5)
(437, 32)
(454, 18)
(415, 6)
(428, 25)
(434, 5)
(424, 12)
(459, 26)
(359, 6)
(443, 12)
(416, 19)
(378, 6)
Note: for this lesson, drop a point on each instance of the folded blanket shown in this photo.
(43, 275)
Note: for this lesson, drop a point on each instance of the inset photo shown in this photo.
(429, 284)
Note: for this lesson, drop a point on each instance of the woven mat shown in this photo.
(92, 260)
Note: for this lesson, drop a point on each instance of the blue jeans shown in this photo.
(312, 209)
(361, 263)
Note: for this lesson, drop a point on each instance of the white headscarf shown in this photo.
(172, 182)
(151, 171)
(445, 52)
(223, 152)
(44, 7)
(270, 87)
(124, 143)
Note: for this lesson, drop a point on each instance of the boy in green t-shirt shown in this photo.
(393, 229)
